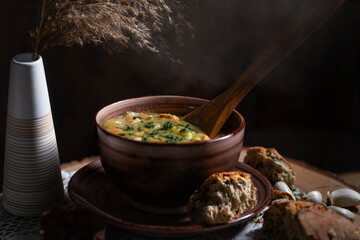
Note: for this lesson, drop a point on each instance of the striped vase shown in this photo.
(32, 179)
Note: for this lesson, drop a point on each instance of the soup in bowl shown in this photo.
(160, 176)
(154, 127)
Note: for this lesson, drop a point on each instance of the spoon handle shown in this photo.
(211, 116)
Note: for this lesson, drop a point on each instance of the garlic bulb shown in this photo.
(344, 212)
(313, 196)
(282, 186)
(343, 197)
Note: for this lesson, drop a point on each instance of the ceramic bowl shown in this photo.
(160, 177)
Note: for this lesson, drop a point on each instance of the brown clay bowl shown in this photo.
(160, 177)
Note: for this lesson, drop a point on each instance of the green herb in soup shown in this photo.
(154, 127)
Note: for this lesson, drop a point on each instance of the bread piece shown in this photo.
(222, 197)
(271, 164)
(307, 221)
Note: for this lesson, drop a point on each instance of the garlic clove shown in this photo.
(313, 196)
(298, 194)
(282, 186)
(343, 197)
(277, 194)
(344, 212)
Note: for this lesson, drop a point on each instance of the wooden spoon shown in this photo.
(211, 116)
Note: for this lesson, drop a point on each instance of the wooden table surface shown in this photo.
(351, 177)
(308, 178)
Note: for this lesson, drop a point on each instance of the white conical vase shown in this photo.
(32, 178)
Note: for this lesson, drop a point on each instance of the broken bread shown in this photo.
(222, 198)
(271, 164)
(302, 220)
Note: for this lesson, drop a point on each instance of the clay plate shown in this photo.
(91, 188)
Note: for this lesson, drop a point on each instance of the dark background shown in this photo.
(308, 108)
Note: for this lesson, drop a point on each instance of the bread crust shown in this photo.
(271, 164)
(307, 221)
(222, 197)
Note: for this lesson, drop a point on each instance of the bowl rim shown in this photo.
(229, 135)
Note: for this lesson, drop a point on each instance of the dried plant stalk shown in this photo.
(115, 24)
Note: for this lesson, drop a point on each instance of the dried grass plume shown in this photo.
(115, 24)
